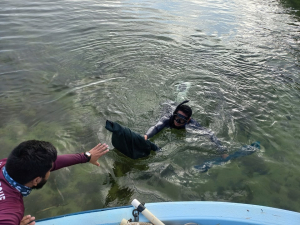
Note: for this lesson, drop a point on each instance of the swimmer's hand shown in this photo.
(224, 156)
(146, 137)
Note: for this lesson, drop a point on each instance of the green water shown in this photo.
(66, 67)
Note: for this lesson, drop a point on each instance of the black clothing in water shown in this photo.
(128, 142)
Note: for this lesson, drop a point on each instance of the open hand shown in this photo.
(97, 152)
(224, 156)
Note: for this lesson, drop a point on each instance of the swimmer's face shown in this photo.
(180, 119)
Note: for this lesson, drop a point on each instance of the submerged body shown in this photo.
(243, 151)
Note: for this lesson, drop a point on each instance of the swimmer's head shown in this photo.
(181, 115)
(185, 109)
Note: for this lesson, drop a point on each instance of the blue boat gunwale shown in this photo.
(85, 212)
(197, 210)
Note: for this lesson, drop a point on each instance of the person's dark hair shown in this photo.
(30, 159)
(186, 109)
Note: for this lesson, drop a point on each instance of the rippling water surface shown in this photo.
(67, 66)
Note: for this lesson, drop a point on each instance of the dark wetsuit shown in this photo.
(165, 121)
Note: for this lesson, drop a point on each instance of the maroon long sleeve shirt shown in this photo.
(11, 200)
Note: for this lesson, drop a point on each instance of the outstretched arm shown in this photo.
(97, 152)
(72, 159)
(207, 132)
(163, 122)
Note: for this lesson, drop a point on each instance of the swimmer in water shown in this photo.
(181, 119)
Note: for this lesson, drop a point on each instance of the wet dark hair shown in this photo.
(30, 159)
(184, 108)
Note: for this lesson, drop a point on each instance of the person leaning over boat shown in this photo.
(28, 167)
(181, 118)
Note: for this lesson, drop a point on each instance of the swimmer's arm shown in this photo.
(162, 123)
(221, 149)
(154, 130)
